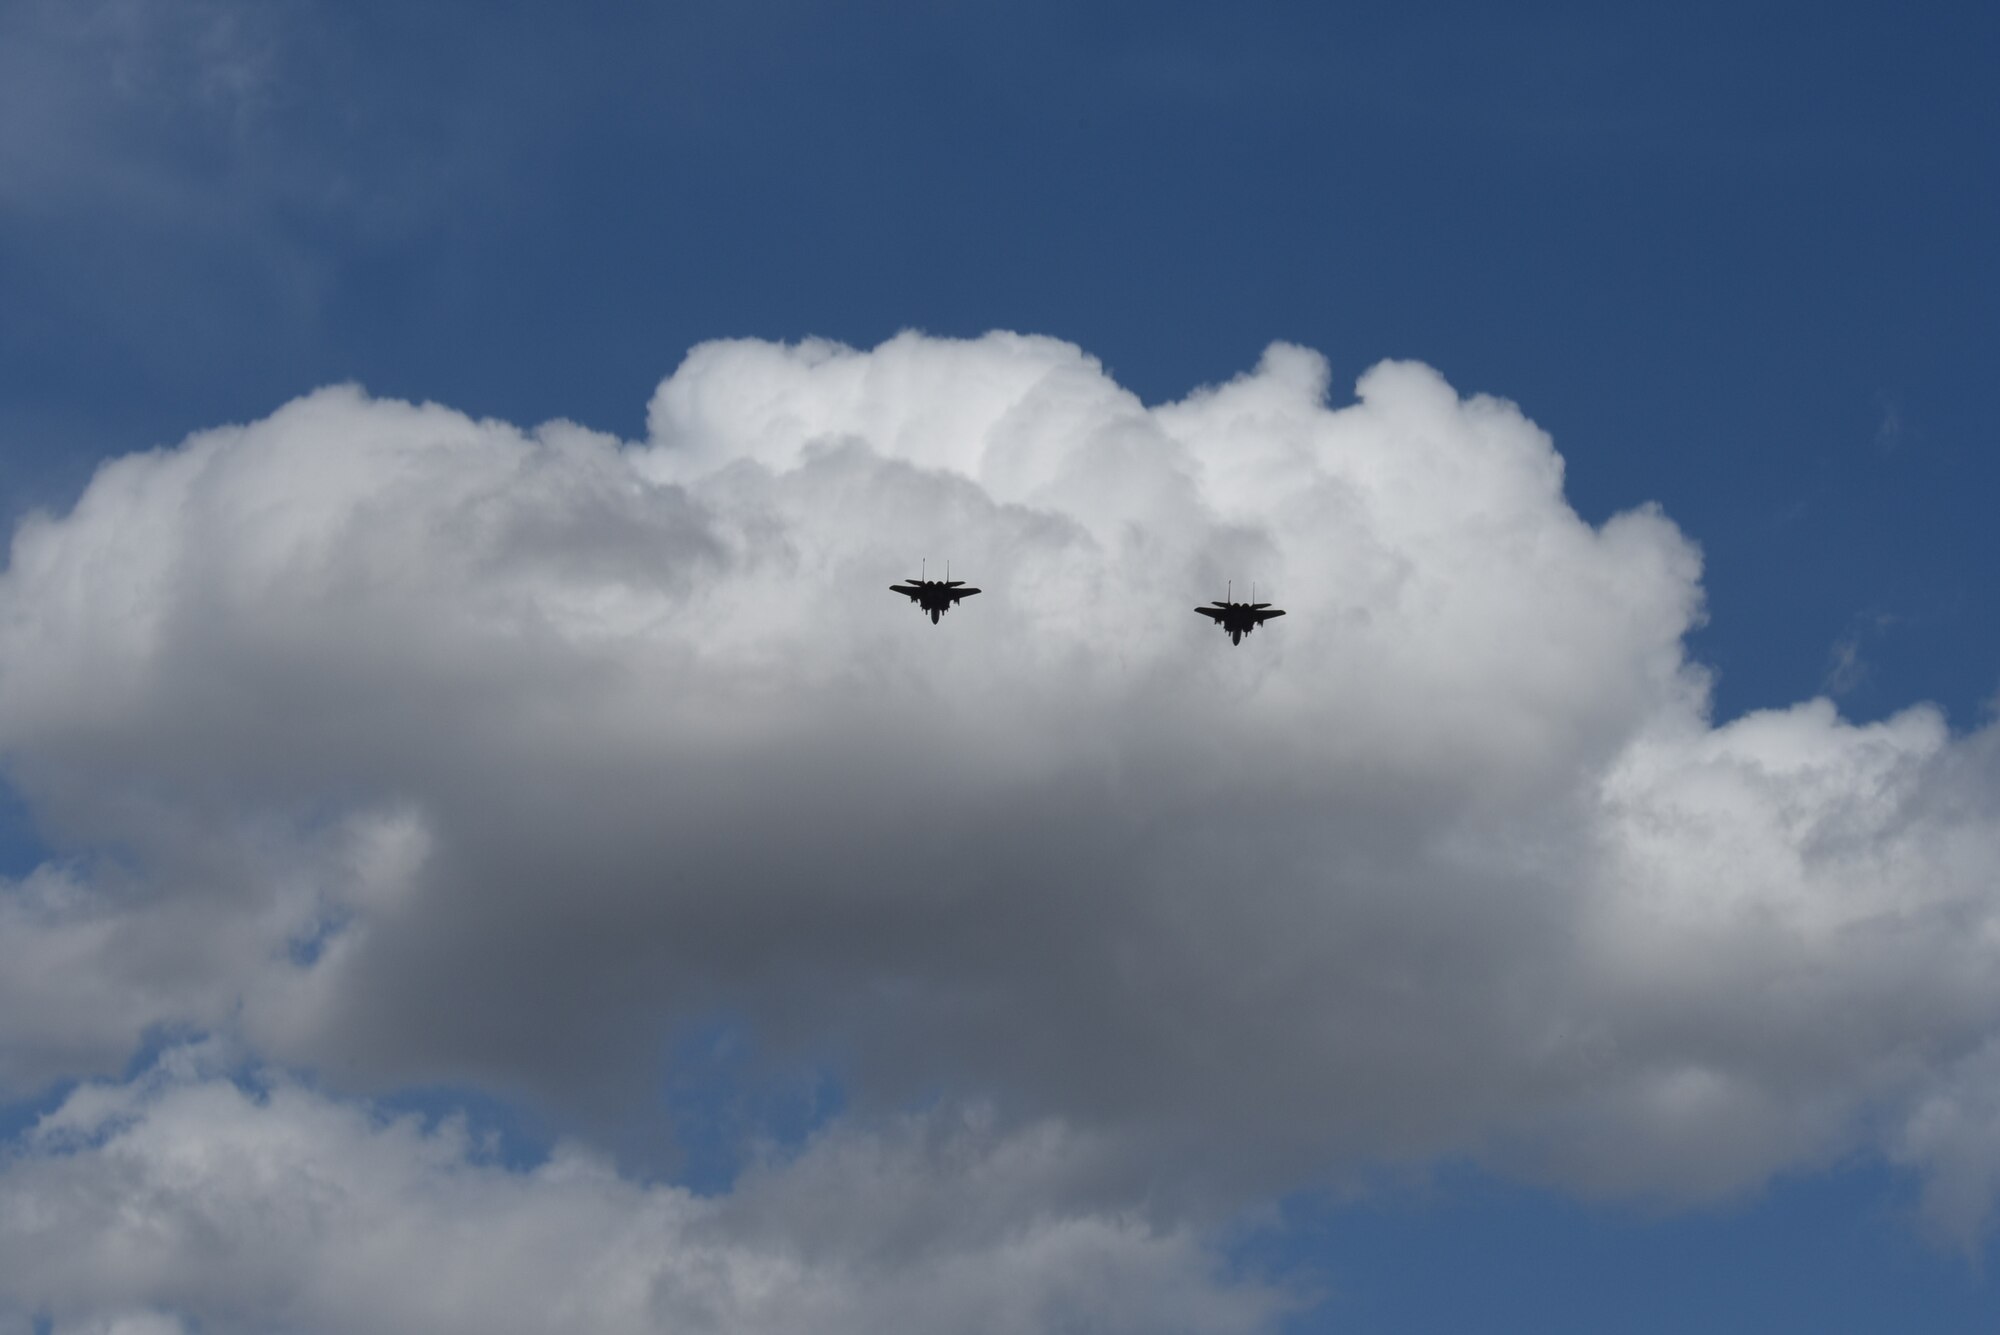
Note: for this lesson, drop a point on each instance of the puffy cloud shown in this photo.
(268, 1206)
(1954, 1132)
(415, 748)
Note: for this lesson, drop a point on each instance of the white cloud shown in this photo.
(273, 1207)
(433, 749)
(1954, 1133)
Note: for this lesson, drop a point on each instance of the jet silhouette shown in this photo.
(1239, 619)
(934, 595)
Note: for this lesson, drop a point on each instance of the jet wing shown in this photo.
(957, 594)
(1262, 617)
(1212, 613)
(909, 589)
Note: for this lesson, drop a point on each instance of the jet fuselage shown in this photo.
(934, 596)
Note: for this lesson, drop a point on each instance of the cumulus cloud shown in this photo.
(269, 1206)
(410, 748)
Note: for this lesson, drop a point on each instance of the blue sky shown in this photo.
(1735, 260)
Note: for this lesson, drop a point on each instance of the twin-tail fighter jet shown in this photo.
(935, 596)
(1239, 619)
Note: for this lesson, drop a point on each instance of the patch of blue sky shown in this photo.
(18, 1116)
(306, 947)
(21, 846)
(1836, 1250)
(159, 1050)
(729, 1104)
(509, 1133)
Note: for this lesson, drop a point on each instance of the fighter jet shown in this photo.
(1239, 619)
(934, 595)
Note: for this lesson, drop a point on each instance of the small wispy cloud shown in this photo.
(1891, 432)
(1847, 668)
